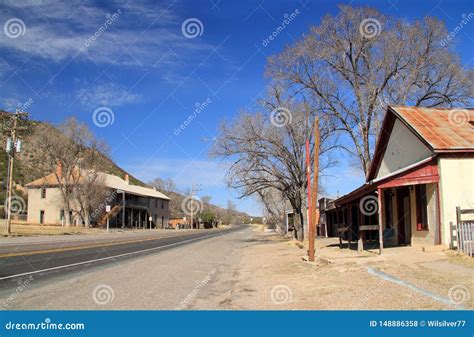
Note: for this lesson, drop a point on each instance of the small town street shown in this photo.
(237, 269)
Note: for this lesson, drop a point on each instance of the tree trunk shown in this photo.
(299, 227)
(67, 214)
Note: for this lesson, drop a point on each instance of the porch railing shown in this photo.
(464, 232)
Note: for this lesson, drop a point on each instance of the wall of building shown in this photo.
(403, 149)
(430, 236)
(456, 189)
(160, 215)
(51, 205)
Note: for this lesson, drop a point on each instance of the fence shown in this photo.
(464, 232)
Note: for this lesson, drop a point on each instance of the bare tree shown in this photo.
(267, 149)
(67, 155)
(89, 194)
(273, 202)
(166, 185)
(355, 63)
(206, 199)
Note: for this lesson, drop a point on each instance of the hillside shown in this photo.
(28, 166)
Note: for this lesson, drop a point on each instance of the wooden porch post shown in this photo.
(379, 192)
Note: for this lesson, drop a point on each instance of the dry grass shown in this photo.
(22, 229)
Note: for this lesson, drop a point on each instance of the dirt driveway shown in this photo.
(271, 274)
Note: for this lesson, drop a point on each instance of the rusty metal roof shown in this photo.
(444, 129)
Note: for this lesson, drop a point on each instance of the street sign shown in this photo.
(107, 208)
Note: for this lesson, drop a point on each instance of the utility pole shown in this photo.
(314, 215)
(308, 171)
(13, 146)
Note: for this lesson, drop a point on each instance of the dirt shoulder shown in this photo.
(270, 274)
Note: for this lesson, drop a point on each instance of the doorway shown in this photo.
(403, 217)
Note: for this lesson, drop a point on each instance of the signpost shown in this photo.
(107, 209)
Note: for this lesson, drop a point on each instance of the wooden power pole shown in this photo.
(13, 146)
(314, 214)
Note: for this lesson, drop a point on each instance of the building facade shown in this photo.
(423, 168)
(124, 205)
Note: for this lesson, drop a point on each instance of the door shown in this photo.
(41, 217)
(403, 218)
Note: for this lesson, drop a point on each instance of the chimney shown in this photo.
(127, 178)
(59, 169)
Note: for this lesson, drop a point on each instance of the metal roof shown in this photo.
(107, 180)
(443, 129)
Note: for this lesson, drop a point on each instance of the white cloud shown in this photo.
(10, 104)
(58, 31)
(109, 95)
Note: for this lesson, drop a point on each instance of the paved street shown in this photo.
(153, 273)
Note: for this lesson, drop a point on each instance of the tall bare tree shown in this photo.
(267, 149)
(67, 155)
(355, 63)
(165, 185)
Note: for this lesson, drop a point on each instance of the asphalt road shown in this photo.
(54, 259)
(170, 273)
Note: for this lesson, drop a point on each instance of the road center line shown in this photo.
(109, 257)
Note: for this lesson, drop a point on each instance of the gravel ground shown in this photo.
(270, 274)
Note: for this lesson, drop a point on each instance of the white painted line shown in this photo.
(107, 258)
(436, 297)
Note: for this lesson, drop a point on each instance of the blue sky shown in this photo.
(132, 61)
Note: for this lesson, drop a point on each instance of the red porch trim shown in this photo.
(423, 174)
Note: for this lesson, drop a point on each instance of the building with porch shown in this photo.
(422, 169)
(124, 205)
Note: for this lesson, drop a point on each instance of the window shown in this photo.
(421, 208)
(41, 217)
(61, 215)
(156, 203)
(43, 193)
(162, 204)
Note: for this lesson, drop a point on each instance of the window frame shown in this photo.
(421, 208)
